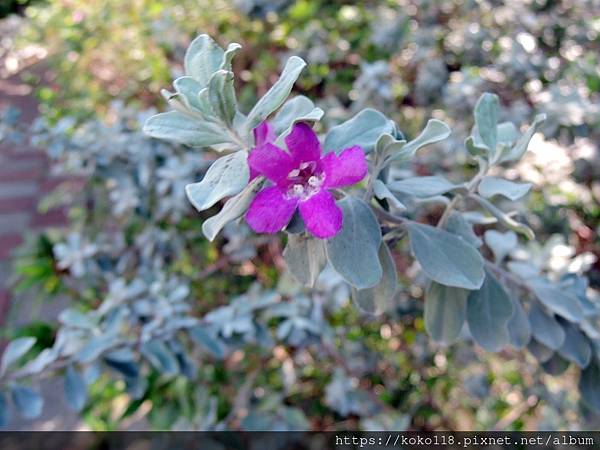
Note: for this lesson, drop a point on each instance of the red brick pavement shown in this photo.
(24, 180)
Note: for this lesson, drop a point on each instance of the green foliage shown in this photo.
(305, 357)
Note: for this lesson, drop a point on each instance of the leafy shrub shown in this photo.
(210, 336)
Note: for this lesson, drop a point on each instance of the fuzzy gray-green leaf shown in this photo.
(354, 251)
(27, 401)
(489, 310)
(423, 186)
(576, 347)
(14, 350)
(232, 209)
(75, 389)
(446, 258)
(520, 147)
(305, 257)
(178, 127)
(275, 96)
(363, 129)
(445, 312)
(202, 58)
(434, 131)
(545, 328)
(487, 110)
(379, 298)
(491, 186)
(297, 109)
(227, 176)
(222, 95)
(519, 329)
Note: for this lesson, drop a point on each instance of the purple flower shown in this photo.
(300, 180)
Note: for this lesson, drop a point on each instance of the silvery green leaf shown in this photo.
(76, 319)
(28, 402)
(540, 351)
(504, 218)
(589, 387)
(232, 209)
(203, 101)
(446, 258)
(476, 148)
(379, 298)
(188, 130)
(576, 347)
(305, 257)
(363, 129)
(41, 361)
(501, 244)
(491, 186)
(353, 252)
(205, 339)
(563, 303)
(519, 149)
(159, 355)
(488, 312)
(4, 412)
(297, 109)
(275, 96)
(189, 92)
(75, 389)
(445, 312)
(227, 176)
(487, 110)
(382, 192)
(95, 347)
(127, 367)
(434, 131)
(545, 328)
(519, 328)
(578, 285)
(423, 186)
(387, 146)
(14, 350)
(459, 226)
(507, 133)
(222, 95)
(202, 58)
(91, 373)
(231, 51)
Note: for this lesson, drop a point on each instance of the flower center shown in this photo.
(305, 181)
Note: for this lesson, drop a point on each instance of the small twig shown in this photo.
(471, 187)
(387, 216)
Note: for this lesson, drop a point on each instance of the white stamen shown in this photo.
(314, 181)
(294, 173)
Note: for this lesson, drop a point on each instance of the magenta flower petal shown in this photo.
(263, 134)
(303, 144)
(345, 169)
(322, 217)
(271, 210)
(272, 162)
